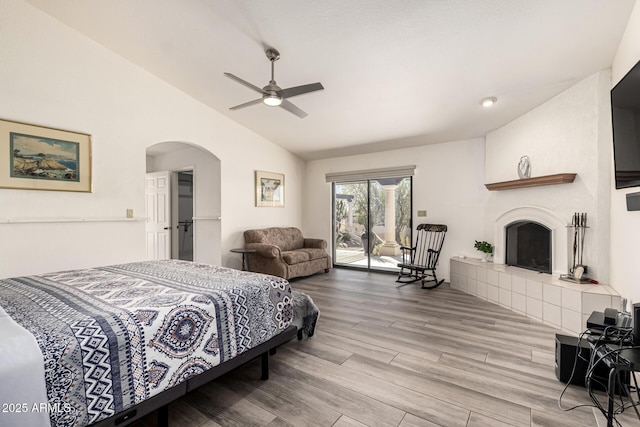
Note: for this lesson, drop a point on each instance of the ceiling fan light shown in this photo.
(272, 100)
(488, 102)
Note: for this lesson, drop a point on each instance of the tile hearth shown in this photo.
(540, 296)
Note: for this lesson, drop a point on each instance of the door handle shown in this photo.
(167, 228)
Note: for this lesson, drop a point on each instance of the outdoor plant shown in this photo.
(483, 246)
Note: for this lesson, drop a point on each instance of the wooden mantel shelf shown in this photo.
(559, 178)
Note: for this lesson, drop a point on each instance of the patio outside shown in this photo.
(355, 258)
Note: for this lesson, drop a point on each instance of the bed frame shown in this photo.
(160, 402)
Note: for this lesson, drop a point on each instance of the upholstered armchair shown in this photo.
(284, 252)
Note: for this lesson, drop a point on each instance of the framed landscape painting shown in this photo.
(269, 189)
(42, 158)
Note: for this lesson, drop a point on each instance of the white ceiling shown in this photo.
(396, 73)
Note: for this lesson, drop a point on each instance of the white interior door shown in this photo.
(158, 207)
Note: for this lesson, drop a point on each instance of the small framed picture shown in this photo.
(269, 189)
(42, 158)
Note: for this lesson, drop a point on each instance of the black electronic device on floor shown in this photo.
(606, 360)
(566, 347)
(635, 311)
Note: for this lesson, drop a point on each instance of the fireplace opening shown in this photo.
(528, 246)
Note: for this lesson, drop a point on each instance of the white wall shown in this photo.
(563, 135)
(625, 226)
(51, 75)
(448, 184)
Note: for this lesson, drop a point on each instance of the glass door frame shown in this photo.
(368, 182)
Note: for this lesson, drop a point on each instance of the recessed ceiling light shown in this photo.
(488, 102)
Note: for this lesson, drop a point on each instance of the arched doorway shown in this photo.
(202, 230)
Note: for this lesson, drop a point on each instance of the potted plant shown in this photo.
(485, 247)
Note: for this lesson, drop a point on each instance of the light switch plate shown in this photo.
(129, 213)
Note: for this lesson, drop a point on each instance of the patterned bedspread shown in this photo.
(114, 336)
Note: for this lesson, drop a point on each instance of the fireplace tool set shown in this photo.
(577, 272)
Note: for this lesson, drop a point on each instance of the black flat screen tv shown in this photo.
(625, 116)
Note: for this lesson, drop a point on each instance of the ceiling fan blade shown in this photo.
(299, 90)
(247, 104)
(245, 83)
(290, 107)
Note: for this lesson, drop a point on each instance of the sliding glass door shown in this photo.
(372, 219)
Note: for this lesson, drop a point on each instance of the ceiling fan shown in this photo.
(272, 95)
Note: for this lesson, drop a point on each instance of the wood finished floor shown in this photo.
(389, 355)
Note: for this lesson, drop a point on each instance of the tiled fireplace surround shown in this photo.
(540, 296)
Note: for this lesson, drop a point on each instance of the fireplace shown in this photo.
(528, 245)
(558, 235)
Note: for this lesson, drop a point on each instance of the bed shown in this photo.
(106, 346)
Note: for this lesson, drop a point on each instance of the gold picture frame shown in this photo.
(269, 189)
(42, 158)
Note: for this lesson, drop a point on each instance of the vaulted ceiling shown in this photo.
(396, 73)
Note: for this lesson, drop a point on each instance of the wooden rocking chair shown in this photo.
(419, 262)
